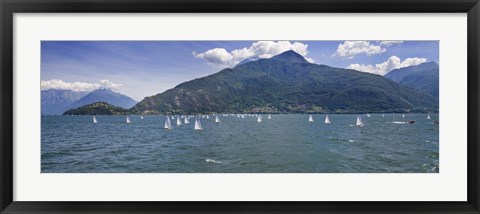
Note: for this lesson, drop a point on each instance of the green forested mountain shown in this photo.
(287, 83)
(424, 77)
(98, 108)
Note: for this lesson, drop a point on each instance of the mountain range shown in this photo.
(287, 83)
(56, 101)
(424, 77)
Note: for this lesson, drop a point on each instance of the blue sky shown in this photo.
(145, 68)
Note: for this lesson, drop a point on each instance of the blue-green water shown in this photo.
(286, 143)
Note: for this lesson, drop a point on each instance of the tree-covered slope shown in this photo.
(98, 108)
(424, 77)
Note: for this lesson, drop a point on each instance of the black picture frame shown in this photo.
(9, 7)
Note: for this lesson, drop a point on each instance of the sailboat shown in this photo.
(310, 119)
(198, 124)
(173, 118)
(128, 120)
(368, 115)
(269, 116)
(403, 115)
(259, 118)
(359, 121)
(186, 120)
(428, 117)
(208, 117)
(383, 115)
(94, 119)
(179, 122)
(141, 117)
(327, 120)
(168, 125)
(217, 120)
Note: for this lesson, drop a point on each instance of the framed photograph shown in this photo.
(257, 107)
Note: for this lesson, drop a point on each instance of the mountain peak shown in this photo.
(290, 56)
(103, 88)
(431, 65)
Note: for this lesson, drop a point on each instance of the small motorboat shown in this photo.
(411, 121)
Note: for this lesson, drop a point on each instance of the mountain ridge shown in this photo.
(286, 83)
(423, 77)
(56, 101)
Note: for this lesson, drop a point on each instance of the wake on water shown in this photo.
(212, 161)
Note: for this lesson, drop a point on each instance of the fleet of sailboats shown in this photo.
(259, 118)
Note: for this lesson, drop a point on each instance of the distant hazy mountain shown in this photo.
(287, 83)
(98, 108)
(56, 101)
(105, 95)
(424, 77)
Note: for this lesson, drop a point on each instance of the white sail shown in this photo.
(94, 119)
(310, 119)
(403, 115)
(327, 120)
(141, 117)
(383, 115)
(179, 122)
(368, 115)
(173, 117)
(259, 118)
(186, 120)
(269, 116)
(428, 117)
(208, 117)
(168, 125)
(359, 121)
(198, 124)
(128, 120)
(217, 120)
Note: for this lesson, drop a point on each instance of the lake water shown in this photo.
(287, 143)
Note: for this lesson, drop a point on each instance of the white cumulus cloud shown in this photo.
(390, 43)
(77, 86)
(261, 49)
(383, 68)
(349, 49)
